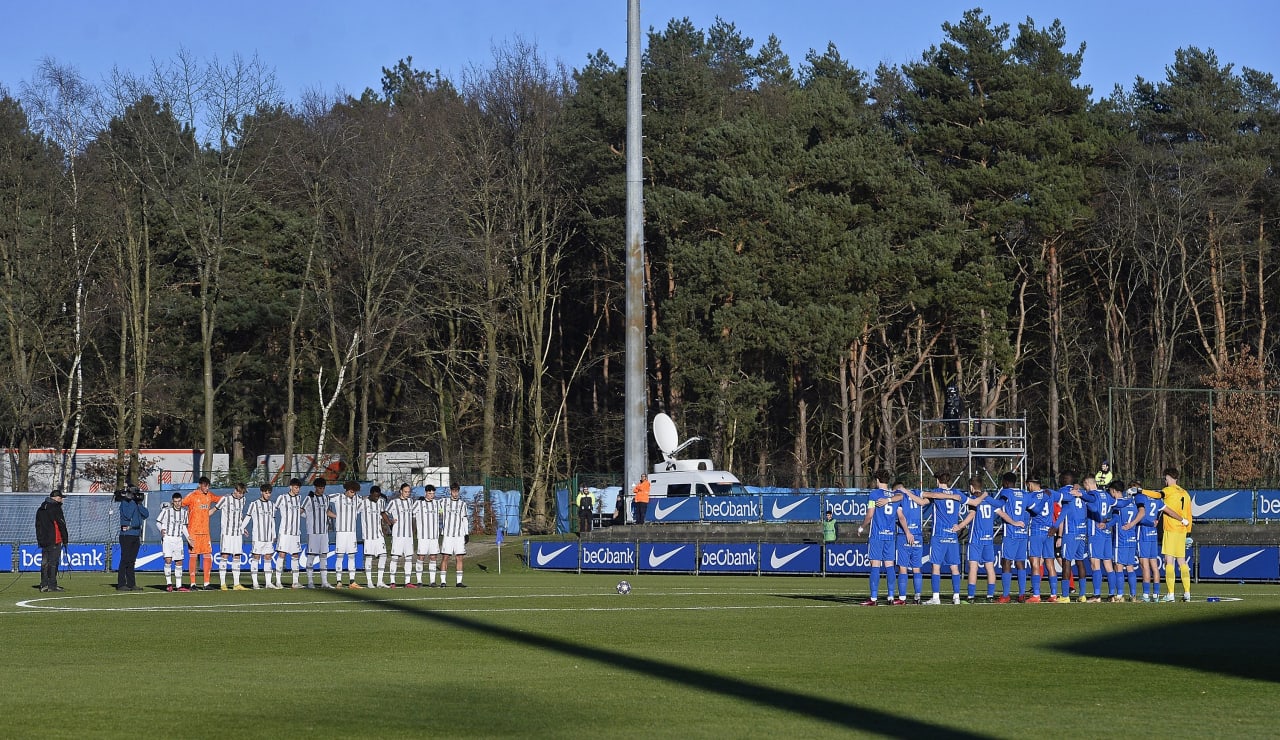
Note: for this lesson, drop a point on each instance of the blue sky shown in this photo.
(331, 45)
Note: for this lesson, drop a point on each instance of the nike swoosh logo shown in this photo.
(660, 513)
(1220, 568)
(776, 562)
(656, 561)
(779, 513)
(544, 558)
(1201, 509)
(148, 559)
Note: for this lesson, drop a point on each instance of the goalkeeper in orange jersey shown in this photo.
(199, 505)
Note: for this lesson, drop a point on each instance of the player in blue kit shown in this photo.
(882, 516)
(1101, 545)
(1125, 516)
(946, 506)
(982, 550)
(1041, 540)
(1149, 538)
(1014, 547)
(1073, 527)
(910, 541)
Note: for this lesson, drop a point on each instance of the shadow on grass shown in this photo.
(838, 713)
(1237, 645)
(829, 598)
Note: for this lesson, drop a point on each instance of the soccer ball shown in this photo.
(624, 588)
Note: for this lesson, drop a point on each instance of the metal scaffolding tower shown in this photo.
(963, 448)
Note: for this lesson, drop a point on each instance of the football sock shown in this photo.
(955, 583)
(168, 574)
(1022, 580)
(902, 583)
(973, 587)
(253, 572)
(417, 571)
(1035, 582)
(1186, 581)
(1005, 579)
(431, 567)
(919, 580)
(1133, 583)
(1054, 585)
(1097, 582)
(935, 582)
(459, 577)
(875, 581)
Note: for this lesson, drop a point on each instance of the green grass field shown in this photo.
(539, 654)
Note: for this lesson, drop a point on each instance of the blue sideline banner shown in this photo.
(790, 558)
(668, 556)
(682, 509)
(6, 558)
(609, 556)
(553, 555)
(1239, 563)
(729, 558)
(731, 509)
(1268, 504)
(151, 558)
(1221, 504)
(74, 557)
(847, 507)
(792, 508)
(853, 557)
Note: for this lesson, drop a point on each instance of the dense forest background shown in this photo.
(188, 260)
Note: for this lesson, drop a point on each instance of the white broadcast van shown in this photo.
(674, 478)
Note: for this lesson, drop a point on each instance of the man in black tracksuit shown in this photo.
(51, 535)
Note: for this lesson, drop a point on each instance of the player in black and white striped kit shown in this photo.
(426, 519)
(343, 509)
(289, 542)
(399, 514)
(455, 528)
(316, 511)
(375, 544)
(231, 546)
(172, 523)
(261, 518)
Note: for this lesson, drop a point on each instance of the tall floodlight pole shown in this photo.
(635, 459)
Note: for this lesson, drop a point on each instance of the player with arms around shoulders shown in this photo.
(231, 513)
(260, 517)
(1073, 528)
(343, 510)
(947, 505)
(1041, 540)
(455, 526)
(375, 542)
(1149, 538)
(909, 542)
(882, 516)
(1177, 525)
(289, 541)
(1101, 543)
(426, 520)
(1125, 516)
(982, 550)
(172, 523)
(1014, 548)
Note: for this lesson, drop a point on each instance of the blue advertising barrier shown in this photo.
(673, 510)
(853, 557)
(668, 556)
(1239, 563)
(847, 507)
(609, 556)
(731, 509)
(790, 558)
(74, 557)
(729, 558)
(1268, 504)
(553, 555)
(1221, 504)
(6, 558)
(151, 558)
(792, 508)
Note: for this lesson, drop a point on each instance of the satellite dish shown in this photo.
(665, 434)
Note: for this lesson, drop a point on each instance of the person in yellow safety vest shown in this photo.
(586, 510)
(1104, 475)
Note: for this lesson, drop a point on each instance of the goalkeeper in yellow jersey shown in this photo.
(1177, 524)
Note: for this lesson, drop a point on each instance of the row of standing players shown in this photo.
(1077, 531)
(427, 531)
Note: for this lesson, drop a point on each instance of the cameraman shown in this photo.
(132, 515)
